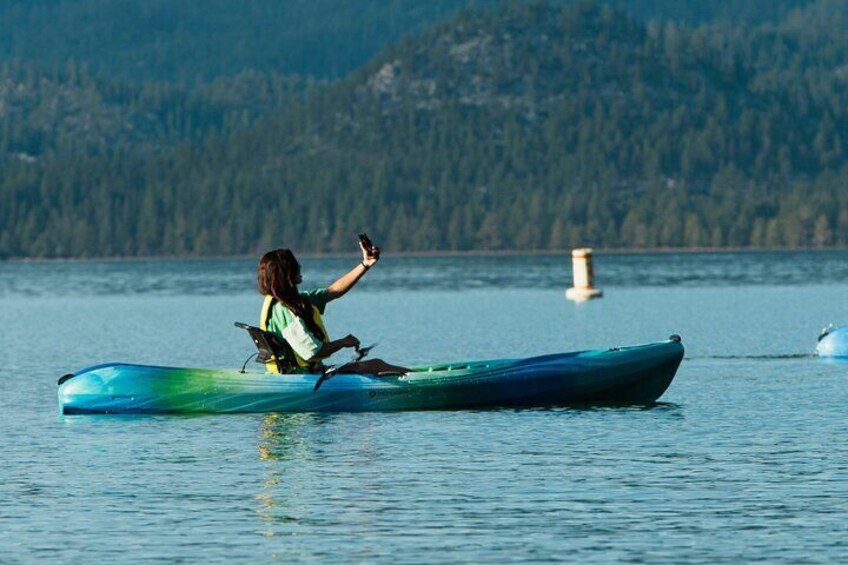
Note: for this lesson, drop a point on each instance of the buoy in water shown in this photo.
(584, 277)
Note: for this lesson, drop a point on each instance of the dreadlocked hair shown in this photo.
(277, 274)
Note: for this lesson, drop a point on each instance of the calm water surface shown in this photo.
(745, 458)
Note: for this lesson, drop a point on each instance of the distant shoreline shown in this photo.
(434, 254)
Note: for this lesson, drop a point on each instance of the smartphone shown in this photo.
(369, 247)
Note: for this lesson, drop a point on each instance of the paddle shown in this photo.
(361, 352)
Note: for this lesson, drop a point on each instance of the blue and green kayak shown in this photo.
(622, 375)
(833, 342)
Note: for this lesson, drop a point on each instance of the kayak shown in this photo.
(623, 375)
(833, 342)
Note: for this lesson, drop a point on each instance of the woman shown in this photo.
(294, 317)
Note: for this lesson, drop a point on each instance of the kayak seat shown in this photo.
(266, 345)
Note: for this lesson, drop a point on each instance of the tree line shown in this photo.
(532, 126)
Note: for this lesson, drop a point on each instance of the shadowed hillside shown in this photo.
(194, 40)
(528, 127)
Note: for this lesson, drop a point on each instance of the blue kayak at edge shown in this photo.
(833, 342)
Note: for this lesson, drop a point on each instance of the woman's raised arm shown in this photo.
(340, 287)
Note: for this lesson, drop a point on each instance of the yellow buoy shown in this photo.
(584, 277)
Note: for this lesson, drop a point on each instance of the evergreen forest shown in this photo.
(443, 126)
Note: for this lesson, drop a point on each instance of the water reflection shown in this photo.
(319, 475)
(287, 443)
(281, 439)
(325, 472)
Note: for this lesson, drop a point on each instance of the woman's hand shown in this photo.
(369, 257)
(330, 348)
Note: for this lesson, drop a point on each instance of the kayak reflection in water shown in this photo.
(294, 317)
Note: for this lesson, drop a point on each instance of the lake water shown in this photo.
(744, 459)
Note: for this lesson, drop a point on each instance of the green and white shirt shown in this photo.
(285, 324)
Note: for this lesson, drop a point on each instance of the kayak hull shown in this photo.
(627, 375)
(833, 343)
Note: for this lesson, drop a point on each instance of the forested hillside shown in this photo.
(531, 126)
(63, 112)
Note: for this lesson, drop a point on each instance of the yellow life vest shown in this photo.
(265, 315)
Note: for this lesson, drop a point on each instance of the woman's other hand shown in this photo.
(330, 348)
(350, 341)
